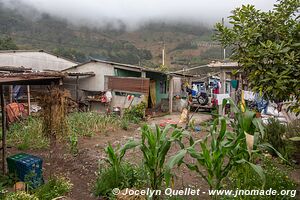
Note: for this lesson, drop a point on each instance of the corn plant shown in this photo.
(222, 150)
(219, 152)
(115, 156)
(155, 146)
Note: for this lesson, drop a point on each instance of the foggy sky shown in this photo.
(137, 12)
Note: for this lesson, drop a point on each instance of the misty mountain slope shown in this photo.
(141, 46)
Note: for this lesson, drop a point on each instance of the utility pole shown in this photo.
(224, 50)
(163, 54)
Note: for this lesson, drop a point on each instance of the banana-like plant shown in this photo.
(155, 145)
(115, 156)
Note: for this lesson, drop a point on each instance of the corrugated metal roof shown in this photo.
(224, 64)
(29, 78)
(128, 66)
(37, 50)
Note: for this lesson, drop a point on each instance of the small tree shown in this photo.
(266, 45)
(7, 43)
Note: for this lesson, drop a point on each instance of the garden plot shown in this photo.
(82, 167)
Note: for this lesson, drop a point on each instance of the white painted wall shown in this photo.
(38, 61)
(94, 83)
(123, 102)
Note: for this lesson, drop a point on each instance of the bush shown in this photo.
(135, 113)
(274, 132)
(55, 187)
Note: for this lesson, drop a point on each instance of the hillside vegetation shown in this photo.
(185, 44)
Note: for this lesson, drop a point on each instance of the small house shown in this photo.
(122, 80)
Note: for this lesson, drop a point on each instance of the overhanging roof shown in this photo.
(225, 65)
(118, 65)
(31, 78)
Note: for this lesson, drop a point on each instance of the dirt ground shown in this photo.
(81, 170)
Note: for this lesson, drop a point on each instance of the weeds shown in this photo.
(55, 187)
(276, 178)
(124, 123)
(274, 132)
(73, 140)
(21, 196)
(27, 134)
(90, 123)
(129, 176)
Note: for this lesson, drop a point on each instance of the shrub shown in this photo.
(274, 132)
(55, 187)
(135, 113)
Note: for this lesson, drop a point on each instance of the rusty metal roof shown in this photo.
(29, 78)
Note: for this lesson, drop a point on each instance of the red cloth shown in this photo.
(216, 91)
(14, 111)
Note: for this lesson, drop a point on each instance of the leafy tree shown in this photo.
(266, 45)
(71, 54)
(7, 43)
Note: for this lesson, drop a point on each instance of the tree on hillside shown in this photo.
(267, 46)
(71, 54)
(7, 43)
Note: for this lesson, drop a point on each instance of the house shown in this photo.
(33, 61)
(149, 85)
(37, 60)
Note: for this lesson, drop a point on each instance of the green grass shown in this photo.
(90, 123)
(28, 134)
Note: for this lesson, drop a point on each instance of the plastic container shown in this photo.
(27, 168)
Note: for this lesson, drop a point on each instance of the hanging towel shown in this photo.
(234, 84)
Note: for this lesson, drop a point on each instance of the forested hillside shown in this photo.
(185, 44)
